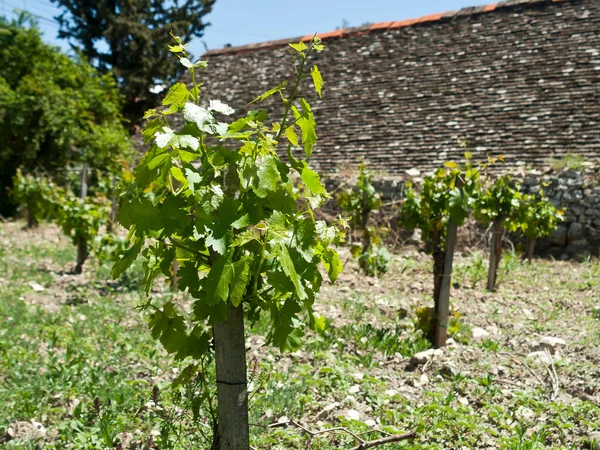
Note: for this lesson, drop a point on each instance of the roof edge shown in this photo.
(450, 15)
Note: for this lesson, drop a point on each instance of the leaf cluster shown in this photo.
(449, 193)
(78, 218)
(536, 216)
(215, 197)
(360, 200)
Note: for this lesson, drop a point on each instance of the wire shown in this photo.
(48, 21)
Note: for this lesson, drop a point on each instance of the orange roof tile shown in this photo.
(378, 26)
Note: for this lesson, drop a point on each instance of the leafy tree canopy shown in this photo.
(130, 38)
(54, 110)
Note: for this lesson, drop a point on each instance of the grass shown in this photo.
(78, 368)
(570, 161)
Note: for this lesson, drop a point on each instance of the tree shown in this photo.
(130, 38)
(226, 208)
(54, 110)
(358, 203)
(444, 203)
(497, 203)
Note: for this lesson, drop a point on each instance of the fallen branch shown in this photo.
(363, 444)
(525, 365)
(386, 440)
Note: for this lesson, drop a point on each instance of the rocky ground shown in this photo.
(521, 370)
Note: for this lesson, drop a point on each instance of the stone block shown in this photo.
(575, 232)
(559, 236)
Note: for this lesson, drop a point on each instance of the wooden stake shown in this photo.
(443, 305)
(82, 250)
(113, 205)
(495, 254)
(174, 277)
(531, 249)
(232, 390)
(84, 181)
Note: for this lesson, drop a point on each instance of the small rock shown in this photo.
(448, 370)
(414, 172)
(352, 414)
(423, 357)
(550, 343)
(542, 357)
(359, 376)
(463, 401)
(325, 411)
(354, 389)
(423, 379)
(370, 423)
(283, 420)
(594, 440)
(480, 333)
(36, 286)
(391, 392)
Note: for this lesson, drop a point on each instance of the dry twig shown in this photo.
(362, 443)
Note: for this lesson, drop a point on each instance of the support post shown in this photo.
(232, 390)
(174, 277)
(82, 250)
(530, 249)
(113, 204)
(495, 254)
(442, 307)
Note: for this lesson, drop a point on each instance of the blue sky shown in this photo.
(240, 22)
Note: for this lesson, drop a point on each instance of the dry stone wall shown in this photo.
(520, 78)
(578, 191)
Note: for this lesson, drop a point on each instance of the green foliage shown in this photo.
(374, 260)
(570, 161)
(129, 39)
(55, 110)
(449, 193)
(360, 200)
(226, 208)
(536, 217)
(79, 219)
(358, 203)
(36, 194)
(499, 199)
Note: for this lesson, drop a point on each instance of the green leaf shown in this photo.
(241, 275)
(168, 327)
(151, 128)
(176, 48)
(332, 263)
(218, 280)
(174, 214)
(307, 124)
(458, 206)
(285, 332)
(312, 181)
(299, 47)
(193, 178)
(288, 268)
(145, 215)
(126, 259)
(268, 176)
(176, 97)
(291, 135)
(270, 92)
(317, 79)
